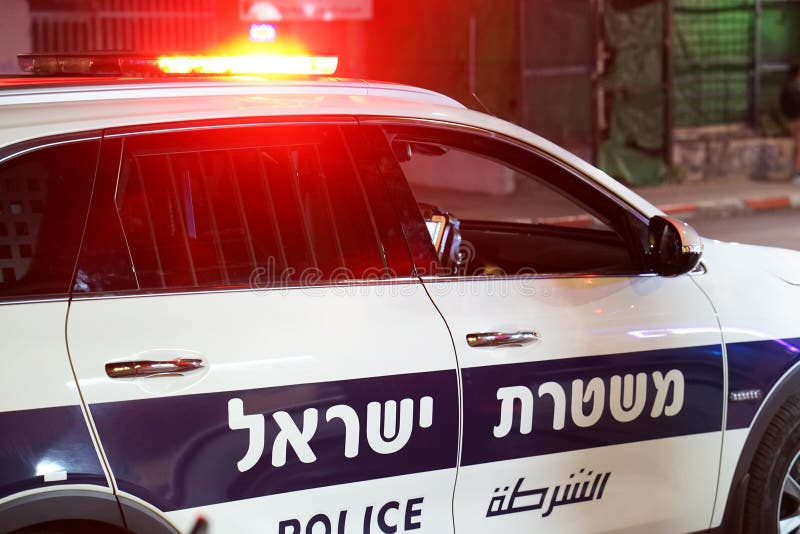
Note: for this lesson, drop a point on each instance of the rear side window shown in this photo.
(257, 207)
(44, 197)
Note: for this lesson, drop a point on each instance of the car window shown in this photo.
(255, 207)
(492, 208)
(44, 196)
(479, 188)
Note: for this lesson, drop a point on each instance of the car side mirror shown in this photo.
(674, 246)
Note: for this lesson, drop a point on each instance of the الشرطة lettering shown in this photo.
(588, 487)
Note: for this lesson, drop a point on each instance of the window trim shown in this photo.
(31, 145)
(633, 215)
(16, 300)
(222, 123)
(170, 292)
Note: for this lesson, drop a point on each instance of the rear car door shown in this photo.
(592, 389)
(47, 449)
(249, 340)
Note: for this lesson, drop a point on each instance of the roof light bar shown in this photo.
(253, 64)
(108, 64)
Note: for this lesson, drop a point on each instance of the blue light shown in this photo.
(263, 33)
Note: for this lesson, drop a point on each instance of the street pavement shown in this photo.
(780, 228)
(722, 198)
(740, 210)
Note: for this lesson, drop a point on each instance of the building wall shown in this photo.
(730, 151)
(122, 25)
(427, 43)
(14, 33)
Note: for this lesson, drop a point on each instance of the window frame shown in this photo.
(113, 153)
(10, 152)
(634, 226)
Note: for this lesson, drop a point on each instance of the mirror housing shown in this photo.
(674, 246)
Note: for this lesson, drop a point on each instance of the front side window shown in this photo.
(262, 206)
(44, 197)
(492, 208)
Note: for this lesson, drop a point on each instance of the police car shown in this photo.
(310, 305)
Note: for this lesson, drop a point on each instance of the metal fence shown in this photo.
(593, 79)
(558, 64)
(122, 25)
(731, 58)
(612, 79)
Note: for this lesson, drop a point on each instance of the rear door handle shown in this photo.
(152, 367)
(501, 339)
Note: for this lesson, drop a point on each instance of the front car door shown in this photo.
(248, 338)
(592, 389)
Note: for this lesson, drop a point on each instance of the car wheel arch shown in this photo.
(787, 386)
(81, 504)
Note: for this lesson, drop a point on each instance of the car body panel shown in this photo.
(47, 444)
(171, 440)
(763, 344)
(645, 340)
(328, 355)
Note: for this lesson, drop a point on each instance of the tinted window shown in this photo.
(272, 205)
(44, 196)
(492, 208)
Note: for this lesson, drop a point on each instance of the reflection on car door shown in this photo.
(588, 383)
(241, 333)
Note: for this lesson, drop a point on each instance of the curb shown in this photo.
(731, 206)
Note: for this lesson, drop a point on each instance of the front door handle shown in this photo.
(151, 367)
(501, 339)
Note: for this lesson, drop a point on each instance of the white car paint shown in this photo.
(669, 313)
(262, 341)
(275, 338)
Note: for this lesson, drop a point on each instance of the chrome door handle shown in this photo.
(150, 368)
(501, 339)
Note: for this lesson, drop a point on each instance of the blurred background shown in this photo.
(661, 94)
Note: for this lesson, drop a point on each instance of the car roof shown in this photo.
(34, 89)
(36, 107)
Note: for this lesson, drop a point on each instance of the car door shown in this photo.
(592, 389)
(47, 448)
(249, 340)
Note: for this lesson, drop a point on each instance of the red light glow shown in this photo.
(249, 64)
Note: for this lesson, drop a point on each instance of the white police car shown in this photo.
(329, 306)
